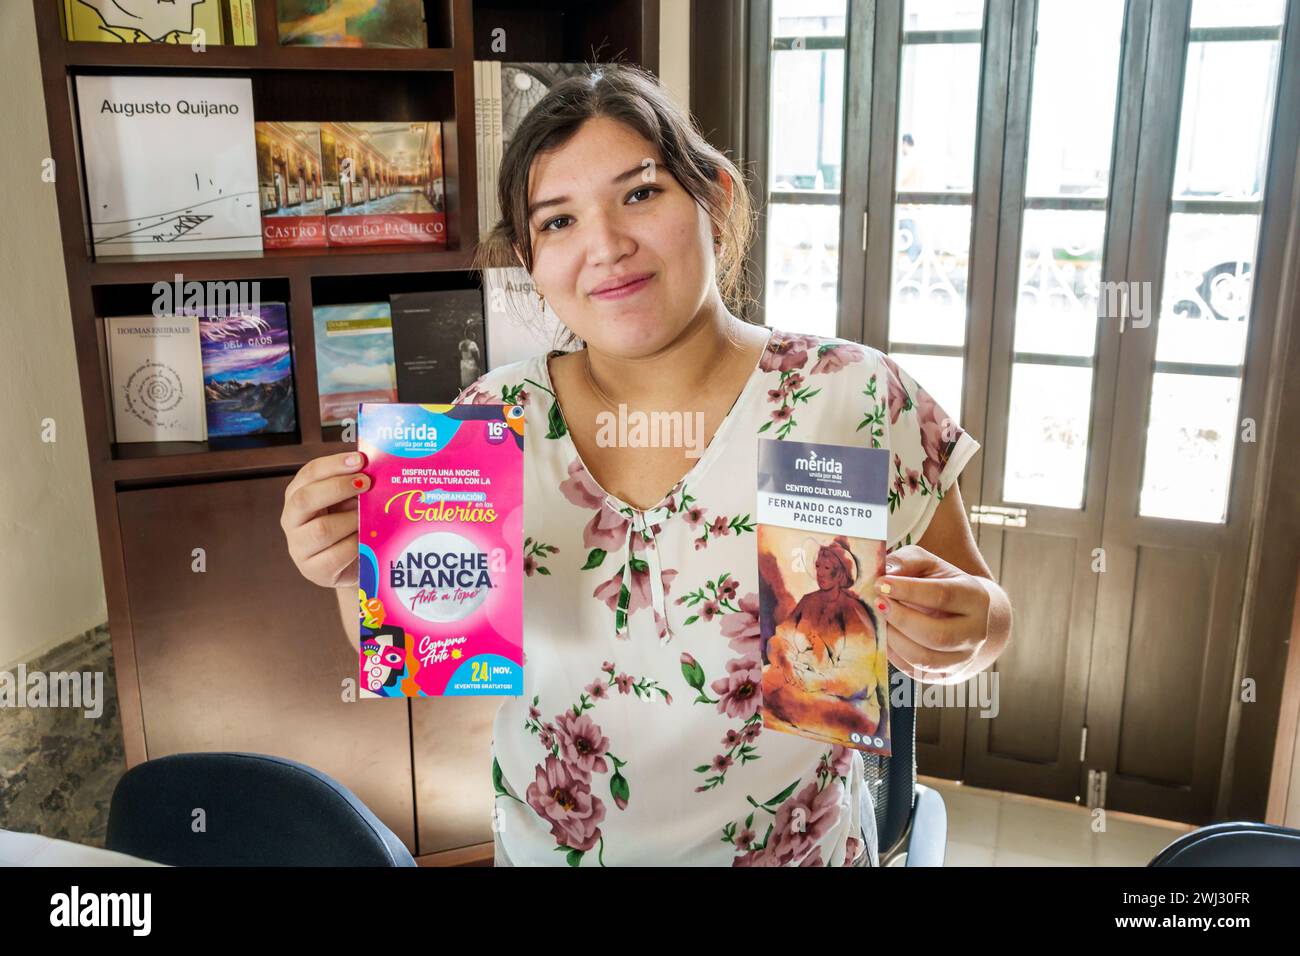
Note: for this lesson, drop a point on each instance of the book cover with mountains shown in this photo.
(248, 371)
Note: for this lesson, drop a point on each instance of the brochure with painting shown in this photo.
(822, 517)
(441, 550)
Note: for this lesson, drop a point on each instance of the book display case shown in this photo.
(218, 641)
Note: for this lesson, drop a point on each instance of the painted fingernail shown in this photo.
(883, 606)
(352, 460)
(358, 482)
(884, 587)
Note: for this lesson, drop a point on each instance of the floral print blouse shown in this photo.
(638, 739)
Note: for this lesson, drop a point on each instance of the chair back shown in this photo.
(245, 809)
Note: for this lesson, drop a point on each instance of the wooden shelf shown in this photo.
(336, 260)
(85, 56)
(170, 462)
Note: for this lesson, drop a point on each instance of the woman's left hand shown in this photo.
(937, 615)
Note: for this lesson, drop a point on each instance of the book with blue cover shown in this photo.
(248, 370)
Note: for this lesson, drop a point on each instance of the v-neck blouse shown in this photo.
(647, 522)
(638, 738)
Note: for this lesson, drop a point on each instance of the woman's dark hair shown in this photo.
(633, 97)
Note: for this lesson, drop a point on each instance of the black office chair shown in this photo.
(911, 818)
(1233, 844)
(258, 810)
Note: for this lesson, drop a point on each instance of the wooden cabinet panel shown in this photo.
(452, 739)
(247, 655)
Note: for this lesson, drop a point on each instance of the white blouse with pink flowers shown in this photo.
(638, 739)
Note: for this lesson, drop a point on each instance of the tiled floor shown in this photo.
(991, 828)
(58, 768)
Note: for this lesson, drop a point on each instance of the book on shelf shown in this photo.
(209, 22)
(518, 327)
(521, 87)
(383, 183)
(155, 369)
(494, 141)
(236, 24)
(354, 358)
(503, 95)
(290, 185)
(170, 164)
(487, 138)
(480, 154)
(353, 23)
(247, 370)
(243, 20)
(438, 343)
(248, 15)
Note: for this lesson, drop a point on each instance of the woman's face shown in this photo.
(826, 576)
(603, 211)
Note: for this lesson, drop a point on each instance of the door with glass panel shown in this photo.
(1116, 490)
(1189, 396)
(801, 161)
(937, 117)
(1074, 85)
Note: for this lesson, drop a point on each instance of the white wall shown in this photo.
(675, 49)
(51, 587)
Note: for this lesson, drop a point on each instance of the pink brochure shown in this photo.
(441, 550)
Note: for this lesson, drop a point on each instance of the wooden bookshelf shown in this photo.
(246, 655)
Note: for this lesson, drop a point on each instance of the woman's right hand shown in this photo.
(320, 518)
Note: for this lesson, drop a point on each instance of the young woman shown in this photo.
(638, 739)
